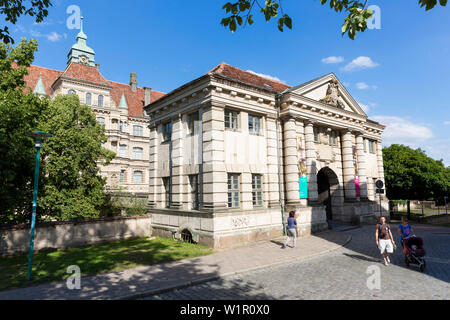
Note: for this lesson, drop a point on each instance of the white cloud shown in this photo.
(333, 59)
(367, 107)
(54, 36)
(362, 86)
(360, 63)
(402, 131)
(266, 76)
(447, 123)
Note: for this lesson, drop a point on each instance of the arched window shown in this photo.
(137, 177)
(100, 101)
(71, 92)
(88, 99)
(137, 153)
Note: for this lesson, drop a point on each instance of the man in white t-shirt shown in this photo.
(384, 239)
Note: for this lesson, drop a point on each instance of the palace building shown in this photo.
(224, 158)
(231, 153)
(118, 106)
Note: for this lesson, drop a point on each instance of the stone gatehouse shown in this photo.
(231, 153)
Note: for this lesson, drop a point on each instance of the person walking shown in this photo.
(404, 230)
(291, 230)
(384, 240)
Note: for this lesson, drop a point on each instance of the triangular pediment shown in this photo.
(329, 90)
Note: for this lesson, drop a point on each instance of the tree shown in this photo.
(19, 113)
(412, 175)
(13, 9)
(72, 187)
(356, 21)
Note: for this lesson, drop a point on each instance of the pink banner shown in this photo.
(357, 186)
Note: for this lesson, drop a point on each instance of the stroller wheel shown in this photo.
(422, 266)
(406, 261)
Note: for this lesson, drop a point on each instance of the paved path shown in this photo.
(340, 274)
(147, 280)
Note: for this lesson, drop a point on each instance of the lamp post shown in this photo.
(38, 137)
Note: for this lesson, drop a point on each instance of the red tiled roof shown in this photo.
(135, 100)
(48, 76)
(248, 77)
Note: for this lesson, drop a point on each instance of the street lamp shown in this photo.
(38, 137)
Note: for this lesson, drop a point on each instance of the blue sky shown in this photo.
(400, 73)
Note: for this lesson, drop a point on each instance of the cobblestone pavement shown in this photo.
(341, 274)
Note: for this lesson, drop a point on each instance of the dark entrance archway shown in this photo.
(328, 185)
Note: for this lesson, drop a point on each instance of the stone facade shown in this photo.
(227, 151)
(118, 106)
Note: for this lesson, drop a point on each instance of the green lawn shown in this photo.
(113, 256)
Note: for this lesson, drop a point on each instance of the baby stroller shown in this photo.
(414, 252)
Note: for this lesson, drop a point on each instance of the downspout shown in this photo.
(282, 205)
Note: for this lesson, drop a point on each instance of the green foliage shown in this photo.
(411, 174)
(13, 9)
(19, 114)
(71, 185)
(355, 21)
(109, 257)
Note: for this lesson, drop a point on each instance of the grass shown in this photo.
(113, 256)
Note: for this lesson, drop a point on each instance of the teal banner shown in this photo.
(303, 186)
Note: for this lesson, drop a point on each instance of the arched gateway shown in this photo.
(329, 192)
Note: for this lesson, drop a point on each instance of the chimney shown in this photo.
(133, 81)
(147, 96)
(97, 66)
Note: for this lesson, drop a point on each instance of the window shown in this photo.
(254, 124)
(365, 145)
(72, 92)
(371, 146)
(166, 183)
(138, 131)
(137, 177)
(192, 118)
(100, 101)
(122, 176)
(333, 138)
(233, 191)
(167, 132)
(231, 119)
(101, 120)
(193, 182)
(316, 135)
(123, 151)
(257, 190)
(123, 126)
(137, 153)
(88, 99)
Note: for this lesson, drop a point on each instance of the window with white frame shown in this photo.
(231, 119)
(371, 146)
(233, 191)
(88, 99)
(192, 118)
(100, 101)
(122, 176)
(71, 92)
(138, 131)
(254, 124)
(257, 190)
(123, 151)
(137, 177)
(137, 153)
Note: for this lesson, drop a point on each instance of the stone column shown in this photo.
(348, 168)
(380, 161)
(153, 167)
(362, 174)
(291, 162)
(214, 172)
(177, 162)
(311, 162)
(272, 164)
